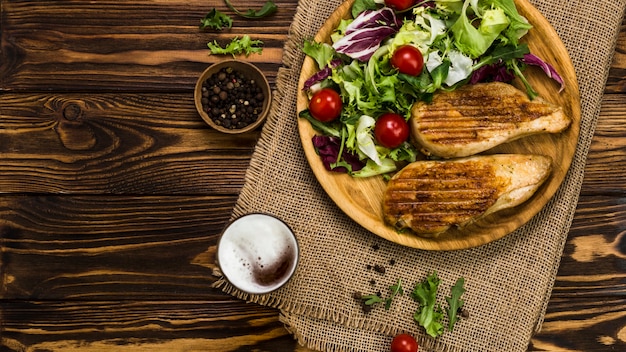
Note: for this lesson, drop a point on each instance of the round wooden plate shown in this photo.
(361, 199)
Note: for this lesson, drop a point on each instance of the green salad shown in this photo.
(392, 54)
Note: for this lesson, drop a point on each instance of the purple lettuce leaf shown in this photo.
(549, 70)
(321, 74)
(489, 73)
(328, 149)
(364, 35)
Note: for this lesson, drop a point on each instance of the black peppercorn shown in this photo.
(231, 99)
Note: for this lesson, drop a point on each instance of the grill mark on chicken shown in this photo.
(429, 197)
(478, 117)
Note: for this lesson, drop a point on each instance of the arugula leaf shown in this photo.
(245, 45)
(340, 162)
(268, 8)
(216, 20)
(455, 303)
(320, 126)
(395, 289)
(532, 93)
(429, 314)
(503, 53)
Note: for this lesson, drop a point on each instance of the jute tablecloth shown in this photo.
(508, 282)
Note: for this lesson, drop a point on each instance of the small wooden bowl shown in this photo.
(249, 71)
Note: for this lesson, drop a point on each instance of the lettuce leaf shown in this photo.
(474, 41)
(429, 315)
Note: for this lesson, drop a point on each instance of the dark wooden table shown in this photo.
(113, 190)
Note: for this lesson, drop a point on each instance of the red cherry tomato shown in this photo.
(408, 60)
(404, 343)
(391, 130)
(325, 105)
(400, 5)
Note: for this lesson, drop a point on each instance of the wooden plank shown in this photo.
(102, 46)
(77, 248)
(587, 324)
(605, 164)
(595, 253)
(96, 326)
(106, 143)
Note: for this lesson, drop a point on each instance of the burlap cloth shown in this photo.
(508, 282)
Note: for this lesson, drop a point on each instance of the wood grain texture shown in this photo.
(96, 326)
(113, 192)
(134, 46)
(361, 198)
(116, 143)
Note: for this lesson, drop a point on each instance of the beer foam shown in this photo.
(257, 253)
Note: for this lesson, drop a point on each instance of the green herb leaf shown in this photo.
(362, 5)
(340, 162)
(327, 129)
(396, 290)
(371, 299)
(455, 303)
(268, 8)
(237, 46)
(322, 53)
(216, 20)
(515, 66)
(429, 314)
(506, 53)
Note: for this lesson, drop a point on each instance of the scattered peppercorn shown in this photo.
(392, 262)
(379, 268)
(231, 99)
(464, 313)
(373, 282)
(366, 309)
(375, 246)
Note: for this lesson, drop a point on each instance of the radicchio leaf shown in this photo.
(549, 70)
(489, 73)
(364, 35)
(321, 74)
(328, 149)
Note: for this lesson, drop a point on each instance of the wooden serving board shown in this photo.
(361, 199)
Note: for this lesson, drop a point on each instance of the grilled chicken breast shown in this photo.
(429, 197)
(475, 118)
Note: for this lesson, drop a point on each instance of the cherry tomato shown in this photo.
(408, 60)
(325, 105)
(404, 343)
(391, 130)
(400, 5)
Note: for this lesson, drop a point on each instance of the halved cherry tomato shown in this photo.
(391, 130)
(325, 105)
(400, 5)
(404, 343)
(408, 60)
